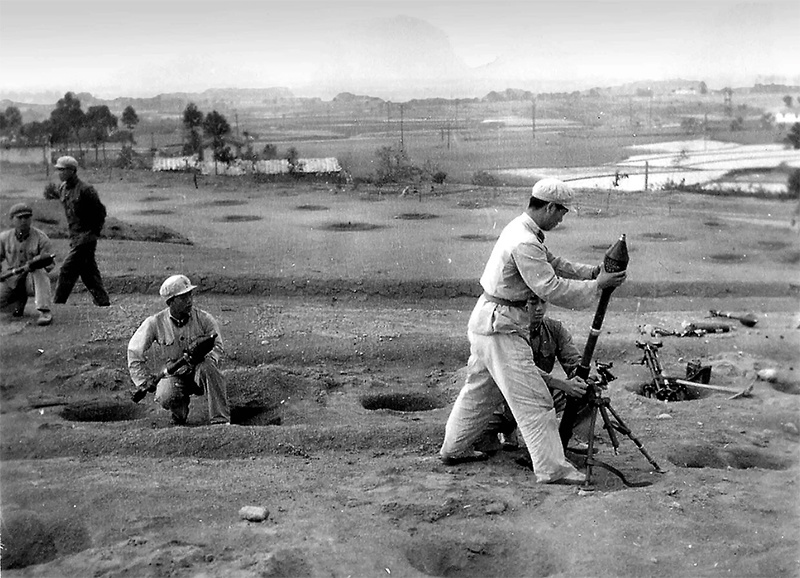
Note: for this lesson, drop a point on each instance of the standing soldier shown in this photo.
(500, 365)
(86, 216)
(18, 246)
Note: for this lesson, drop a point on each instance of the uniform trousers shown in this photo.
(501, 367)
(173, 393)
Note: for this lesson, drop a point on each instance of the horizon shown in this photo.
(390, 49)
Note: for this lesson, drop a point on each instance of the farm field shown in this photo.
(344, 317)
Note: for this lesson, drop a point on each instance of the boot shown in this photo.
(45, 317)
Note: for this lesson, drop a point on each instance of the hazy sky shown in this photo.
(142, 47)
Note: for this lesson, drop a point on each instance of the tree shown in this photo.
(12, 118)
(100, 123)
(130, 119)
(66, 120)
(787, 100)
(35, 132)
(192, 121)
(216, 127)
(703, 87)
(793, 138)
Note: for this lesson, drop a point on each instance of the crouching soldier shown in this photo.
(175, 330)
(18, 247)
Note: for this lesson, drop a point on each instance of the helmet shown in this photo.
(553, 191)
(67, 163)
(174, 286)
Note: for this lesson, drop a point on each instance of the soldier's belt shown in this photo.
(506, 302)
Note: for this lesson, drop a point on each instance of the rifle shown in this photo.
(39, 262)
(192, 357)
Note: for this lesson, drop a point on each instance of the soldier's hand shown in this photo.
(575, 387)
(607, 280)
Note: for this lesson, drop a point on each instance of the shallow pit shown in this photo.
(350, 226)
(671, 393)
(416, 216)
(436, 556)
(658, 236)
(101, 411)
(478, 237)
(255, 415)
(715, 224)
(728, 257)
(237, 218)
(735, 457)
(153, 199)
(224, 203)
(154, 212)
(311, 208)
(400, 402)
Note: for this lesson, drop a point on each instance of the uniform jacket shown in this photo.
(551, 341)
(85, 213)
(171, 340)
(519, 265)
(15, 253)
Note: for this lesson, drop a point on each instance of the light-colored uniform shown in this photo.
(500, 364)
(15, 252)
(173, 392)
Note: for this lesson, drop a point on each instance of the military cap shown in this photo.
(67, 162)
(20, 209)
(553, 191)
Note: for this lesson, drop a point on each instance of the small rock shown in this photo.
(254, 513)
(791, 428)
(664, 416)
(495, 508)
(768, 374)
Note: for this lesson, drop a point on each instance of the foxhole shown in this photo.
(477, 237)
(255, 415)
(400, 402)
(350, 226)
(154, 212)
(238, 218)
(311, 208)
(728, 257)
(152, 199)
(716, 224)
(103, 411)
(772, 245)
(668, 391)
(416, 216)
(224, 203)
(735, 457)
(657, 236)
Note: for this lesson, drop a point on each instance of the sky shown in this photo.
(143, 48)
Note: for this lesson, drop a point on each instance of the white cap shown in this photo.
(553, 191)
(67, 162)
(174, 286)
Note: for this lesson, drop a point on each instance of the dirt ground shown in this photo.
(342, 365)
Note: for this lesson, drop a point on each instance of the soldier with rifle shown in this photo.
(26, 259)
(500, 366)
(189, 339)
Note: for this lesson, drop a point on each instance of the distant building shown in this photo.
(786, 116)
(685, 91)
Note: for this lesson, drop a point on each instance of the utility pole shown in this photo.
(236, 116)
(402, 146)
(533, 119)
